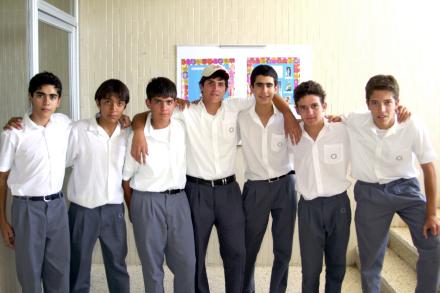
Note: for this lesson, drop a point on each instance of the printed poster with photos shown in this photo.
(292, 63)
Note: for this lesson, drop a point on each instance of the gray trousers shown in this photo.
(324, 230)
(107, 224)
(260, 199)
(162, 226)
(42, 247)
(376, 205)
(220, 206)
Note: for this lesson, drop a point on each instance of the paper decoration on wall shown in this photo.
(293, 64)
(288, 71)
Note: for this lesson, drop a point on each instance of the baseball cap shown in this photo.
(211, 69)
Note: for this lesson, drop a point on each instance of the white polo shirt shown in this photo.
(35, 156)
(212, 139)
(97, 160)
(382, 156)
(165, 166)
(265, 149)
(322, 164)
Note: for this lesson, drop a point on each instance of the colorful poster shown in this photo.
(287, 68)
(191, 73)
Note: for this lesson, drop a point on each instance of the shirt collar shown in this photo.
(390, 131)
(97, 129)
(31, 124)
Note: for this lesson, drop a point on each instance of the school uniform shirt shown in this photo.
(212, 139)
(382, 156)
(97, 160)
(322, 164)
(265, 149)
(35, 156)
(165, 166)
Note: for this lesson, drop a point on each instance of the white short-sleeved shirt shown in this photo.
(380, 156)
(97, 160)
(35, 156)
(212, 139)
(265, 149)
(322, 164)
(165, 166)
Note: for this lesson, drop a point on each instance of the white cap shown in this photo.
(211, 69)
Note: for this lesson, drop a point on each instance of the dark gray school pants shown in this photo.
(261, 199)
(376, 206)
(220, 206)
(162, 226)
(324, 229)
(107, 224)
(42, 246)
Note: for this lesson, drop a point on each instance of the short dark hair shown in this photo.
(382, 82)
(219, 73)
(44, 78)
(113, 86)
(309, 88)
(161, 87)
(264, 70)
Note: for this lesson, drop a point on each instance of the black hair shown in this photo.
(113, 86)
(309, 88)
(264, 70)
(161, 87)
(382, 82)
(44, 78)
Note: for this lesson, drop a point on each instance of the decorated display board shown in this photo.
(292, 63)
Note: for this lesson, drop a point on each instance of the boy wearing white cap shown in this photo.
(213, 193)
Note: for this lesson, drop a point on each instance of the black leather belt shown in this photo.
(45, 198)
(275, 178)
(171, 191)
(216, 182)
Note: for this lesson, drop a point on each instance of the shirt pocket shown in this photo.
(397, 156)
(229, 126)
(333, 153)
(278, 142)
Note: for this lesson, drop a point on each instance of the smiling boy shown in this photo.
(270, 186)
(384, 154)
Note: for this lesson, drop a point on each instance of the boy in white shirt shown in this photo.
(155, 195)
(32, 164)
(324, 215)
(97, 150)
(270, 185)
(384, 154)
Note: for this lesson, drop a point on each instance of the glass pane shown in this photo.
(54, 57)
(14, 61)
(64, 5)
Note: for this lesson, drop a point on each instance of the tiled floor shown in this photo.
(216, 279)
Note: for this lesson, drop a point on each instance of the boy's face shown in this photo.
(45, 101)
(264, 89)
(111, 108)
(382, 106)
(213, 90)
(311, 110)
(161, 108)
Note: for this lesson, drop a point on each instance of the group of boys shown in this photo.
(183, 183)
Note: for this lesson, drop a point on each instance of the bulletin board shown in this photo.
(293, 64)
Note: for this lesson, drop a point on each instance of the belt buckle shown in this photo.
(212, 183)
(273, 179)
(224, 181)
(45, 198)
